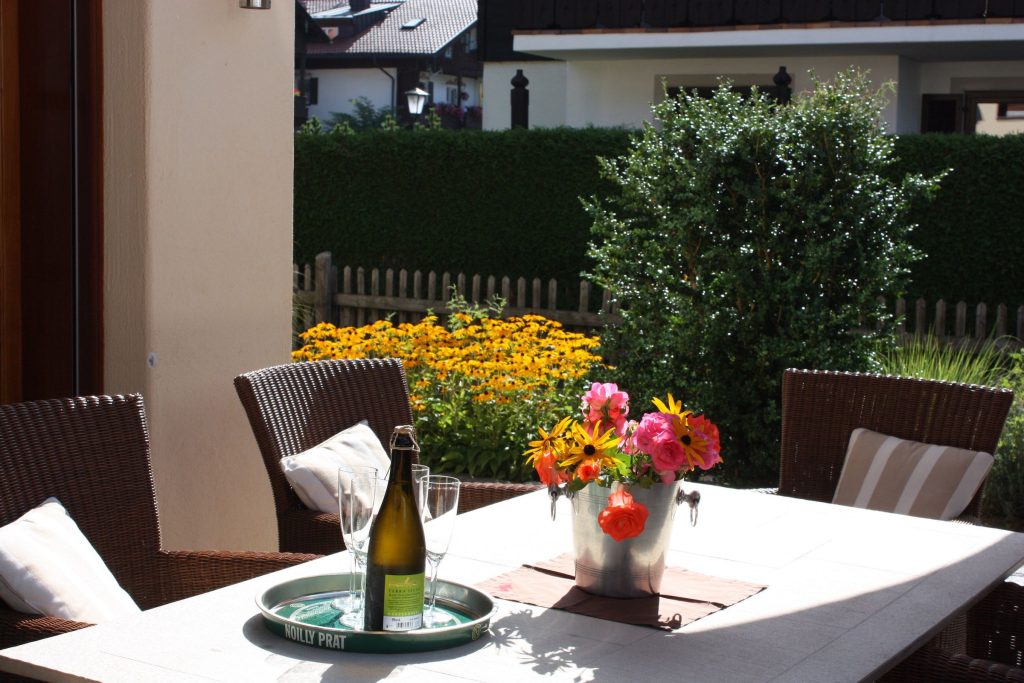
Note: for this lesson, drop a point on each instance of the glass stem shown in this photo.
(433, 586)
(353, 599)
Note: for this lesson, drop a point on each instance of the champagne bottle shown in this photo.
(397, 553)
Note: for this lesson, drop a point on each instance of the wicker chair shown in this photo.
(296, 406)
(820, 409)
(92, 453)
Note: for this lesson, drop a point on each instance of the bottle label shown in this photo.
(403, 601)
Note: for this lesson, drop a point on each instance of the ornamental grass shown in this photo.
(477, 386)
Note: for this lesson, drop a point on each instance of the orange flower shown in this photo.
(547, 469)
(623, 518)
(588, 470)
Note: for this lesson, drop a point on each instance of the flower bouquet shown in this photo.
(623, 478)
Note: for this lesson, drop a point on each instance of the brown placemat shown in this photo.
(685, 596)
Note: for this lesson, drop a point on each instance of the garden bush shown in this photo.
(1004, 489)
(479, 387)
(745, 237)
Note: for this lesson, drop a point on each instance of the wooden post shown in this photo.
(920, 317)
(552, 294)
(535, 299)
(1001, 320)
(360, 289)
(325, 289)
(521, 292)
(901, 316)
(981, 321)
(346, 317)
(940, 319)
(961, 320)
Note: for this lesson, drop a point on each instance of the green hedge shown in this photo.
(494, 203)
(973, 234)
(507, 203)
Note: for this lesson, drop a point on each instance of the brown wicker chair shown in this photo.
(820, 409)
(92, 453)
(296, 406)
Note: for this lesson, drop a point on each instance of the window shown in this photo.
(942, 113)
(989, 112)
(313, 90)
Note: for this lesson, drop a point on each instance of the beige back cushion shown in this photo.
(894, 475)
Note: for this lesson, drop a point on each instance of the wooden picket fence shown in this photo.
(359, 297)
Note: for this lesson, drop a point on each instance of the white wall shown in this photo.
(956, 77)
(197, 240)
(338, 87)
(620, 92)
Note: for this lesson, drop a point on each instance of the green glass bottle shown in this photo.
(397, 553)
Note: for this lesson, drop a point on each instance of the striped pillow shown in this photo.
(912, 478)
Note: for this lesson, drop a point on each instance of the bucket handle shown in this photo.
(692, 499)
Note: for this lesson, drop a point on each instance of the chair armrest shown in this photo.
(932, 664)
(179, 574)
(476, 494)
(17, 627)
(301, 530)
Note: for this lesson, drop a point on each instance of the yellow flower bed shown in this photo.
(475, 386)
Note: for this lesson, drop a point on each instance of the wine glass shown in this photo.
(360, 490)
(439, 504)
(418, 472)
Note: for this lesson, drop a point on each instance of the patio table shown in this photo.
(849, 593)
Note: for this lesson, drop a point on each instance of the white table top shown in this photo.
(850, 592)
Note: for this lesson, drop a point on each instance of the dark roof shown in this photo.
(444, 21)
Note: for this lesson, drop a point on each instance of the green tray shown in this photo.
(300, 610)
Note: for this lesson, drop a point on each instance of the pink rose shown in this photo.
(606, 406)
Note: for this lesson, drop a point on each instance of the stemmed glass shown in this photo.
(418, 472)
(360, 490)
(439, 504)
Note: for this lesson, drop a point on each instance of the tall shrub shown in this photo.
(745, 237)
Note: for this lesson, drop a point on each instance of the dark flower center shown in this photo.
(589, 449)
(685, 438)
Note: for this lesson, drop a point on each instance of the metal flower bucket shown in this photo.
(633, 567)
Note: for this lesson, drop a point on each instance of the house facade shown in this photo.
(380, 50)
(957, 66)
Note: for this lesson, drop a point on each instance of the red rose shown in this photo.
(623, 518)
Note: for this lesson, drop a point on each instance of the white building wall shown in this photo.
(908, 97)
(197, 197)
(621, 92)
(336, 88)
(955, 77)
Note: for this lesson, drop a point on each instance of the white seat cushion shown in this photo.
(48, 567)
(313, 473)
(895, 475)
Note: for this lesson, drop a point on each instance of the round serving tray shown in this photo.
(301, 610)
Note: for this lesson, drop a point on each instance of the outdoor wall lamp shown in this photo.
(254, 4)
(416, 98)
